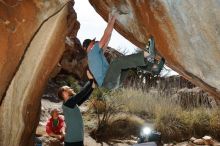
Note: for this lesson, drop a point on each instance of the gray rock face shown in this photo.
(187, 34)
(197, 24)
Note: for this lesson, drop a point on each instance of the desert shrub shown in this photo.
(124, 127)
(215, 123)
(136, 102)
(98, 105)
(200, 122)
(68, 80)
(71, 81)
(171, 125)
(98, 93)
(174, 122)
(105, 109)
(121, 127)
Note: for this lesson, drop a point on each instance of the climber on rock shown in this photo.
(55, 125)
(109, 76)
(74, 124)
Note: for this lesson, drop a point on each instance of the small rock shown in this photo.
(208, 140)
(192, 139)
(168, 144)
(199, 141)
(207, 137)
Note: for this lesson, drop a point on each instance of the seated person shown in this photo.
(55, 125)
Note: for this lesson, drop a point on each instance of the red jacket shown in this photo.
(55, 129)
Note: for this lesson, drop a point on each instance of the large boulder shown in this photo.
(187, 34)
(32, 42)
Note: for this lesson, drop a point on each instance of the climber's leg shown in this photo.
(112, 78)
(124, 74)
(113, 75)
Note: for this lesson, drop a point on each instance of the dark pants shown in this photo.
(116, 71)
(113, 75)
(80, 143)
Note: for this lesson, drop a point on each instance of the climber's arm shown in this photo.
(103, 43)
(73, 101)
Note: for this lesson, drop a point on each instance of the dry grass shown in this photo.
(170, 118)
(120, 128)
(112, 123)
(148, 103)
(175, 122)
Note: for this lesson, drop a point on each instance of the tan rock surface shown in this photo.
(19, 21)
(30, 49)
(187, 34)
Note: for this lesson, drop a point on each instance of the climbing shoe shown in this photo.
(156, 68)
(151, 50)
(150, 45)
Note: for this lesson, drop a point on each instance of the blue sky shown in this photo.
(92, 25)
